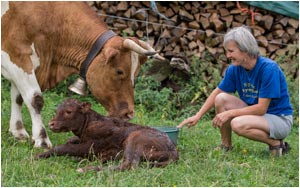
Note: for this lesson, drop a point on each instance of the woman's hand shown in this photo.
(222, 118)
(191, 121)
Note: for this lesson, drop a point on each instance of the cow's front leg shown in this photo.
(39, 134)
(27, 85)
(16, 123)
(34, 102)
(33, 99)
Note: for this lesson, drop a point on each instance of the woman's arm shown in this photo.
(209, 103)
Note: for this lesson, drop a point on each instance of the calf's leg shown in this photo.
(77, 150)
(162, 158)
(131, 160)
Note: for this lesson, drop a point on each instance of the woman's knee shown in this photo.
(226, 101)
(221, 102)
(221, 99)
(237, 125)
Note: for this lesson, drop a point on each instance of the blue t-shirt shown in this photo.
(265, 80)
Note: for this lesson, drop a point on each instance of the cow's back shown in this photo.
(56, 20)
(47, 18)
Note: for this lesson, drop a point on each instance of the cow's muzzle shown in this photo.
(123, 112)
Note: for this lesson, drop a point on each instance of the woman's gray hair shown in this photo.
(244, 40)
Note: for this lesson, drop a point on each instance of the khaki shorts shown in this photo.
(280, 126)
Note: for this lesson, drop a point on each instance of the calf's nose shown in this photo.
(51, 124)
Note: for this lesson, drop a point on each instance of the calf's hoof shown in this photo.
(41, 156)
(89, 168)
(80, 170)
(38, 156)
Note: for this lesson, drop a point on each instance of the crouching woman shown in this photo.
(262, 112)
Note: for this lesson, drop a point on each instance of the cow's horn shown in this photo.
(148, 47)
(130, 44)
(79, 86)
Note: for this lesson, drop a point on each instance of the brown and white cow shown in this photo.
(45, 42)
(108, 138)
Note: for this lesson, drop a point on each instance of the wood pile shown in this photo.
(197, 28)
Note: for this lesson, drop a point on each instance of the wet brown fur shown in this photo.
(109, 138)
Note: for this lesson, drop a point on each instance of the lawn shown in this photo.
(248, 165)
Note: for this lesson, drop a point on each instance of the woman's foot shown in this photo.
(279, 150)
(223, 147)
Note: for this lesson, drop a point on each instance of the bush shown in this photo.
(172, 105)
(290, 66)
(203, 78)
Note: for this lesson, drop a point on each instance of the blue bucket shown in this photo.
(172, 132)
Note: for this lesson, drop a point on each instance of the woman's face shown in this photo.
(234, 54)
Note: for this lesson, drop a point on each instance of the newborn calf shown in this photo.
(108, 138)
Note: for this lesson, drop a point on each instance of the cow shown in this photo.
(108, 138)
(43, 43)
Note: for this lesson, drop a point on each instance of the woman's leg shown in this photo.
(254, 128)
(224, 102)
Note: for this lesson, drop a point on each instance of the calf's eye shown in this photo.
(68, 112)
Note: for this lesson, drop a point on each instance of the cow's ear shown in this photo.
(110, 54)
(85, 107)
(143, 59)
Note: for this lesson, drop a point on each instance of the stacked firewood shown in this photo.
(194, 28)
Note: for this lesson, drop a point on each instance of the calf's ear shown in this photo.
(85, 107)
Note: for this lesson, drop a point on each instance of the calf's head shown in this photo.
(70, 116)
(111, 74)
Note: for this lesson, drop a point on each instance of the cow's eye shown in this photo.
(120, 72)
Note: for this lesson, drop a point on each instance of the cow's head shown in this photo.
(111, 74)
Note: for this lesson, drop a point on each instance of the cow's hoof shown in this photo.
(20, 134)
(42, 143)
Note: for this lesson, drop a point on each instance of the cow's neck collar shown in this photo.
(96, 48)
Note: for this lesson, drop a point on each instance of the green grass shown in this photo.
(248, 165)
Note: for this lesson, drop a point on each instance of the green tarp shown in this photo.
(287, 8)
